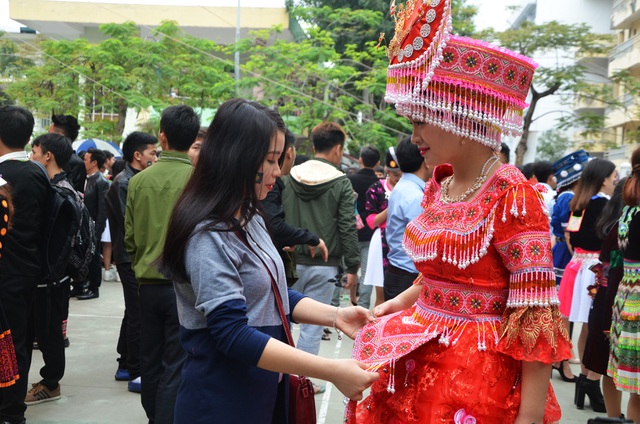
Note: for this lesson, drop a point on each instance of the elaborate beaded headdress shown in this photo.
(465, 86)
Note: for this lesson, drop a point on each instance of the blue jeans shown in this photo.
(364, 291)
(314, 282)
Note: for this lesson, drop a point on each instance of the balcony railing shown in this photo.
(616, 117)
(624, 11)
(625, 55)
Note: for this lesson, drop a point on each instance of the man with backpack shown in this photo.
(68, 126)
(95, 190)
(139, 151)
(51, 303)
(21, 265)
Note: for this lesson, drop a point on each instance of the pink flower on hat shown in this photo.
(461, 417)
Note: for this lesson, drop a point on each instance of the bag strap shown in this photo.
(274, 287)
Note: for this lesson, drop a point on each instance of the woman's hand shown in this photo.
(401, 302)
(350, 377)
(388, 307)
(350, 320)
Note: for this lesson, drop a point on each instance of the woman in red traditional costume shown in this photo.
(473, 340)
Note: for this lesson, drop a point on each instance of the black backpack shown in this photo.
(60, 228)
(69, 236)
(83, 246)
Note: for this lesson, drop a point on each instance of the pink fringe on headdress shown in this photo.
(460, 95)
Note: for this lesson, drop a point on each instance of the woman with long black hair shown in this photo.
(625, 339)
(608, 275)
(228, 277)
(592, 194)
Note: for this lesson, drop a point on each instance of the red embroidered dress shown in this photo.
(488, 302)
(8, 363)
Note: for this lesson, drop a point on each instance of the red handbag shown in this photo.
(302, 401)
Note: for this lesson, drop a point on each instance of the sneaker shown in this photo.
(39, 393)
(107, 275)
(135, 386)
(117, 277)
(122, 375)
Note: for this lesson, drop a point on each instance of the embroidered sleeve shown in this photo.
(532, 328)
(372, 205)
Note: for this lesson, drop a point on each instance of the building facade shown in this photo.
(215, 20)
(595, 14)
(625, 56)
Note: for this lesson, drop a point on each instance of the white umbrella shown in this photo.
(81, 145)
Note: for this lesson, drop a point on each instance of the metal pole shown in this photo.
(237, 55)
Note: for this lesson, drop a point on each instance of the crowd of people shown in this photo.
(222, 237)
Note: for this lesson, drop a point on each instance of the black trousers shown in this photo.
(396, 281)
(95, 269)
(161, 354)
(16, 296)
(50, 308)
(129, 340)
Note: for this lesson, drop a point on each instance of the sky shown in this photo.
(491, 12)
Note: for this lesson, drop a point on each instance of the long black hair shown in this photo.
(611, 212)
(590, 182)
(631, 192)
(223, 181)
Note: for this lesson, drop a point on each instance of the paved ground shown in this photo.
(90, 395)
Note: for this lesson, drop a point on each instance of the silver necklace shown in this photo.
(444, 191)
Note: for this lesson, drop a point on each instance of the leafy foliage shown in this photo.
(372, 17)
(567, 77)
(100, 82)
(552, 145)
(337, 72)
(311, 82)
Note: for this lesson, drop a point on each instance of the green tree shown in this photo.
(355, 27)
(12, 61)
(52, 83)
(552, 145)
(102, 82)
(310, 82)
(551, 38)
(373, 18)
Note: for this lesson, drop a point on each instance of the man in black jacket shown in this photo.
(361, 181)
(22, 253)
(285, 235)
(94, 192)
(139, 152)
(51, 304)
(68, 126)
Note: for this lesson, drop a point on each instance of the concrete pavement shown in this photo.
(90, 394)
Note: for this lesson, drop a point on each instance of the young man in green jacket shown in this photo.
(150, 201)
(320, 197)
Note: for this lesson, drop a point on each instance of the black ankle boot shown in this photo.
(581, 378)
(590, 388)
